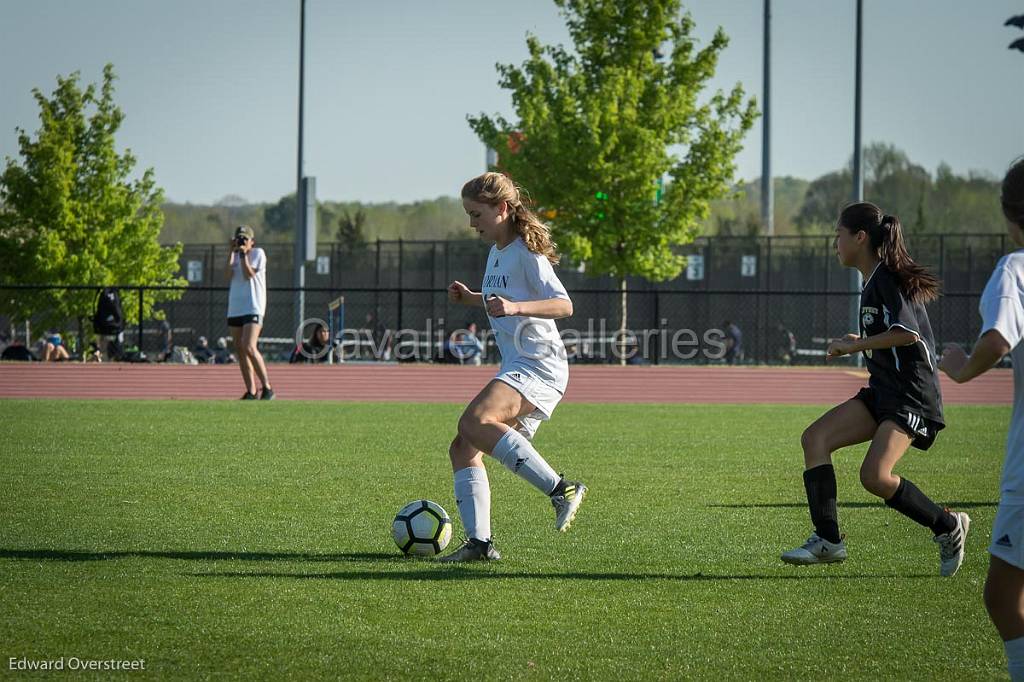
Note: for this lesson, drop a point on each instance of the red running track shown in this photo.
(446, 383)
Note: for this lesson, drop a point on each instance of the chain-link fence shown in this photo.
(780, 292)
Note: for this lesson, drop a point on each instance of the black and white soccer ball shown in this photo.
(422, 528)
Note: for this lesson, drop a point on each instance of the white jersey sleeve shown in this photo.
(258, 260)
(1002, 302)
(541, 278)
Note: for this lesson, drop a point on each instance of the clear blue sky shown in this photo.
(210, 87)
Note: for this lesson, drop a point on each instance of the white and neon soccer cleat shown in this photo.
(816, 550)
(952, 545)
(567, 503)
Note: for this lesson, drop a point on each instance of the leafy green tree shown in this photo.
(598, 126)
(949, 203)
(825, 196)
(72, 215)
(351, 233)
(279, 218)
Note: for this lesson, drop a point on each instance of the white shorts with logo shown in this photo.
(1008, 534)
(542, 396)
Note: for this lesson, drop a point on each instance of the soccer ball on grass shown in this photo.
(422, 528)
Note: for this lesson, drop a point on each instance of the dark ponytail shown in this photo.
(1012, 195)
(886, 235)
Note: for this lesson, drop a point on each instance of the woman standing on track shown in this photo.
(247, 303)
(523, 297)
(902, 405)
(1002, 329)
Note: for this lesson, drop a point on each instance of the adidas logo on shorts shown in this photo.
(1004, 541)
(917, 424)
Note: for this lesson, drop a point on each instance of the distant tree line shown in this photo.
(351, 223)
(943, 202)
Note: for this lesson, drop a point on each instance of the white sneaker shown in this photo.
(951, 545)
(816, 551)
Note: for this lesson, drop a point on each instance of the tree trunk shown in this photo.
(622, 327)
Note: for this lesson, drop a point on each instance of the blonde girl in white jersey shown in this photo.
(522, 297)
(1002, 312)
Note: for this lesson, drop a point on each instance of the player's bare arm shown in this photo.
(852, 343)
(960, 367)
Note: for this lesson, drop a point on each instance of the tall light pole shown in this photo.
(767, 187)
(856, 280)
(299, 274)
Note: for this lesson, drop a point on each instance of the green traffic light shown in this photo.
(601, 195)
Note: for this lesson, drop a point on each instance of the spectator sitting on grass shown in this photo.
(466, 346)
(17, 350)
(733, 342)
(202, 351)
(52, 347)
(222, 356)
(316, 349)
(785, 345)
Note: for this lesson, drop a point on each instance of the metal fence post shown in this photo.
(140, 320)
(376, 295)
(209, 298)
(657, 326)
(400, 283)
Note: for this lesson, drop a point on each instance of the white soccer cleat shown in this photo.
(816, 550)
(952, 545)
(567, 503)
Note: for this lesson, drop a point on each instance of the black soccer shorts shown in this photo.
(908, 417)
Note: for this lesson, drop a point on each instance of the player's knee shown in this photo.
(874, 481)
(1004, 612)
(456, 449)
(468, 423)
(814, 444)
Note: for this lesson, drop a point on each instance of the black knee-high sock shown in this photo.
(915, 505)
(820, 484)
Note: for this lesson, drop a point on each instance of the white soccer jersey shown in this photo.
(249, 296)
(531, 344)
(1002, 309)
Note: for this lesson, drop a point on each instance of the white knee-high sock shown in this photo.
(1015, 658)
(473, 498)
(520, 457)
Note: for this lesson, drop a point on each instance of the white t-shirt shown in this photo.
(530, 344)
(249, 296)
(1002, 309)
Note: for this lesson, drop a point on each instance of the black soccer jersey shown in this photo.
(905, 373)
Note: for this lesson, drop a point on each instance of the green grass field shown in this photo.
(221, 539)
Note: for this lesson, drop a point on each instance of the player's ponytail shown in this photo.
(1012, 195)
(886, 238)
(493, 188)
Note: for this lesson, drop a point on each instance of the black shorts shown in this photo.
(907, 417)
(243, 320)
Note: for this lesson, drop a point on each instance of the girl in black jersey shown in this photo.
(902, 404)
